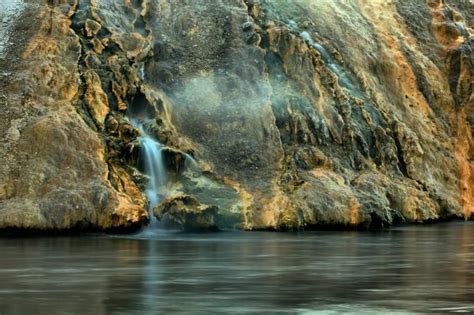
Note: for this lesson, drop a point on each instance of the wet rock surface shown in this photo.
(184, 211)
(294, 114)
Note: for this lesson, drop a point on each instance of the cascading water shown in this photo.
(342, 77)
(153, 162)
(154, 167)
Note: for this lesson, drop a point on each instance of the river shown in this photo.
(405, 270)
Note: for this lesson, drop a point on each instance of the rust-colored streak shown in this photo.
(466, 169)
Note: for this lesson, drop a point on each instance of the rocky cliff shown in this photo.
(273, 114)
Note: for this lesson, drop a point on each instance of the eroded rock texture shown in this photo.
(298, 113)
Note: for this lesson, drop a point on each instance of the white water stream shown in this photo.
(155, 169)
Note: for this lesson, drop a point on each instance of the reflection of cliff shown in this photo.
(299, 114)
(404, 270)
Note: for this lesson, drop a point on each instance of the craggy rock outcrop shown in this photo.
(186, 212)
(55, 173)
(296, 114)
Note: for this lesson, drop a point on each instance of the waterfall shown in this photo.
(154, 168)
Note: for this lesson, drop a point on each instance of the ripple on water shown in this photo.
(243, 272)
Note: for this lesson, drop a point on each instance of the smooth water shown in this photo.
(404, 270)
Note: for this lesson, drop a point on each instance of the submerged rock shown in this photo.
(272, 114)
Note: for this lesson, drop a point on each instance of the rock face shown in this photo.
(185, 211)
(297, 114)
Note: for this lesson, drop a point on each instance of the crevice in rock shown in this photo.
(107, 63)
(401, 160)
(320, 150)
(421, 81)
(263, 44)
(81, 106)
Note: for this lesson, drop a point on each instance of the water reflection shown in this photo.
(413, 269)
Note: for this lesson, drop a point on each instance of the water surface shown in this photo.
(413, 269)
